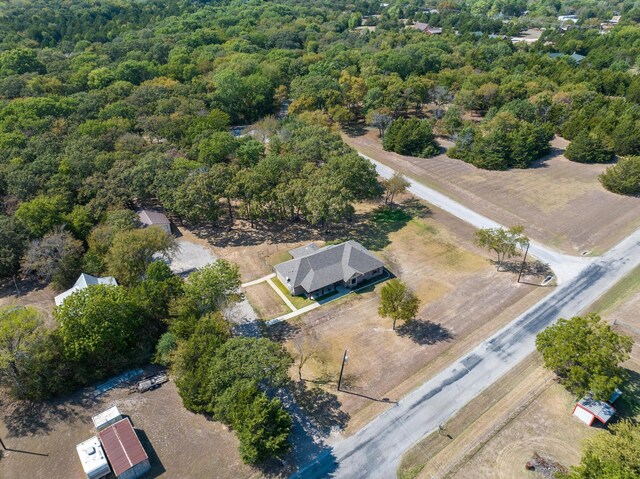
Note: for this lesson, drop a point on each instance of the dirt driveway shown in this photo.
(180, 444)
(561, 203)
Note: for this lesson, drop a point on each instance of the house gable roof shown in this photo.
(328, 265)
(83, 281)
(150, 217)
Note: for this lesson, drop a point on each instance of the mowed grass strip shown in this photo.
(620, 292)
(298, 301)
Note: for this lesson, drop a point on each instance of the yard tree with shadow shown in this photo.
(398, 302)
(586, 355)
(506, 243)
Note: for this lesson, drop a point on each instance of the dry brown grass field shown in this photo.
(265, 301)
(560, 202)
(463, 301)
(526, 412)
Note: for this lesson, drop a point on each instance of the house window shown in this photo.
(353, 280)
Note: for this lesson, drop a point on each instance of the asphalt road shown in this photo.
(375, 451)
(564, 266)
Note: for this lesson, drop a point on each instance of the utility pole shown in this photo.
(2, 444)
(523, 261)
(345, 359)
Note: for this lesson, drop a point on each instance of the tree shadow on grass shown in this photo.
(424, 332)
(543, 160)
(28, 418)
(354, 129)
(281, 332)
(321, 407)
(628, 405)
(531, 268)
(372, 229)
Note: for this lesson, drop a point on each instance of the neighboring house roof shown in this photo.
(603, 411)
(122, 446)
(150, 217)
(577, 57)
(328, 265)
(82, 282)
(421, 26)
(304, 250)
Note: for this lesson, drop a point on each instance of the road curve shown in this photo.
(564, 266)
(375, 451)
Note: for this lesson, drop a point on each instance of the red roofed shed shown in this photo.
(126, 455)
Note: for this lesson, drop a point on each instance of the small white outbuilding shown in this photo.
(589, 409)
(106, 418)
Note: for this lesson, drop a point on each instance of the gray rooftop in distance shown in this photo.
(328, 265)
(600, 409)
(151, 217)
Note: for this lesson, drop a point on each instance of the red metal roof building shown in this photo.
(126, 455)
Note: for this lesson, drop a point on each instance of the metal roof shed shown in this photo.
(94, 463)
(588, 410)
(126, 455)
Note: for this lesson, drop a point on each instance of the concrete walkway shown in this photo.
(293, 314)
(259, 280)
(282, 296)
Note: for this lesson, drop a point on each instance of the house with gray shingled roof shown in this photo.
(314, 272)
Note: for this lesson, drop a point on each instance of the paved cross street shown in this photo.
(375, 451)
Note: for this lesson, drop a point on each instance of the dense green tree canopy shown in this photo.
(623, 177)
(613, 454)
(586, 354)
(99, 327)
(587, 149)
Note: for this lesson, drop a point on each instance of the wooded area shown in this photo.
(107, 105)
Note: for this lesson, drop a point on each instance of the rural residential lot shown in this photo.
(464, 299)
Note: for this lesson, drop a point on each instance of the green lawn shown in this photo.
(278, 257)
(298, 301)
(621, 291)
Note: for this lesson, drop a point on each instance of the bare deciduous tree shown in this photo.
(306, 346)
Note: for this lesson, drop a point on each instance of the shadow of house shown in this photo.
(424, 332)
